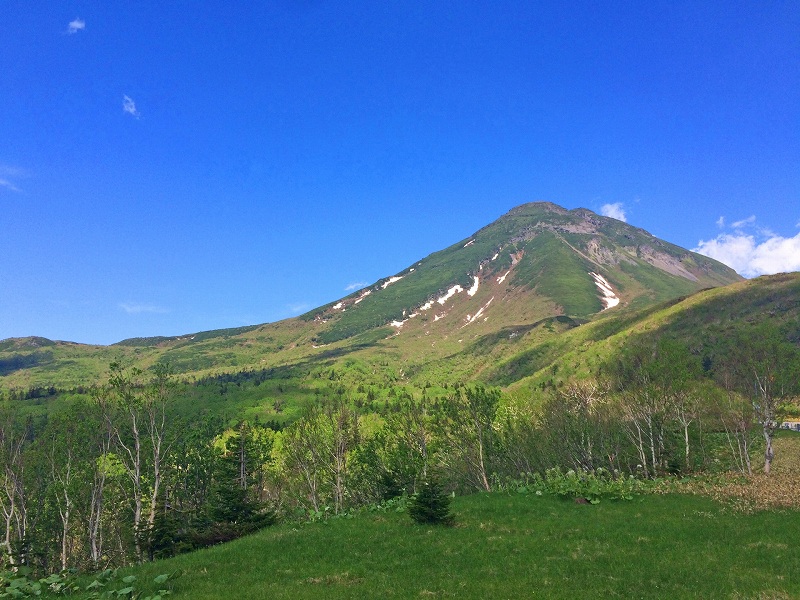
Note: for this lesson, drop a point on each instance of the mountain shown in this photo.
(538, 271)
(538, 260)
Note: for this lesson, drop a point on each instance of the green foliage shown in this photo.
(109, 584)
(431, 505)
(594, 486)
(104, 585)
(464, 425)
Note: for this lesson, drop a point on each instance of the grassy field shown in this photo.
(511, 546)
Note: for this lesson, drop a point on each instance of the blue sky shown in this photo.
(167, 168)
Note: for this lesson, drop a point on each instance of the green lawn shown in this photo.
(511, 546)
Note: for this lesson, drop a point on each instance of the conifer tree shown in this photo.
(431, 505)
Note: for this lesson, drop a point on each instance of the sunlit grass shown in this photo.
(510, 546)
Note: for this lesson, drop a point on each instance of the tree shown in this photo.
(70, 459)
(767, 370)
(431, 505)
(409, 438)
(13, 441)
(464, 424)
(156, 397)
(300, 444)
(654, 380)
(139, 424)
(571, 420)
(100, 440)
(734, 413)
(229, 498)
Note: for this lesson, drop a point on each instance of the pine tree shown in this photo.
(431, 505)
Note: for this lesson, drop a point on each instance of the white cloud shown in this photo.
(9, 175)
(135, 308)
(721, 222)
(129, 106)
(299, 307)
(76, 25)
(748, 221)
(355, 286)
(750, 256)
(615, 211)
(9, 185)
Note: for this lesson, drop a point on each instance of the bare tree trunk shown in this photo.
(63, 499)
(12, 498)
(9, 507)
(769, 454)
(132, 461)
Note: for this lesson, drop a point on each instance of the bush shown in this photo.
(590, 485)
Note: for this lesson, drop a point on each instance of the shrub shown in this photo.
(591, 485)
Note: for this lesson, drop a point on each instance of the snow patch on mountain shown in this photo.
(609, 299)
(474, 289)
(477, 315)
(450, 293)
(390, 281)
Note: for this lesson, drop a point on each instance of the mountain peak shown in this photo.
(538, 260)
(530, 208)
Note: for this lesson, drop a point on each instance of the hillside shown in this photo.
(538, 270)
(702, 322)
(508, 546)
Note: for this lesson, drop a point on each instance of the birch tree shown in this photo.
(140, 429)
(649, 378)
(12, 489)
(767, 369)
(464, 422)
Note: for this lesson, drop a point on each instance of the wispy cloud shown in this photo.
(129, 106)
(299, 307)
(615, 210)
(753, 254)
(721, 222)
(10, 171)
(9, 174)
(135, 308)
(76, 25)
(355, 286)
(9, 185)
(744, 222)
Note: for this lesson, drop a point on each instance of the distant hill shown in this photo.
(479, 306)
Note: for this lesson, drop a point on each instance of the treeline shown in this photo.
(120, 478)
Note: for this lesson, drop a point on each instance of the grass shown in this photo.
(510, 546)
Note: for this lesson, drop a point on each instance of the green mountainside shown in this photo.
(537, 271)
